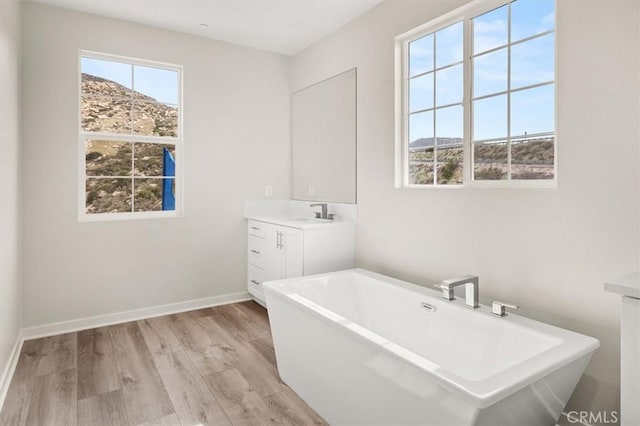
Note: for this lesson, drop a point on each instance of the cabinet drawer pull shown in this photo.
(255, 228)
(255, 282)
(255, 251)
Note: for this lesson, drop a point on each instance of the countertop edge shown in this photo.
(628, 285)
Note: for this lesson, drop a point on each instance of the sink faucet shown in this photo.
(471, 283)
(324, 214)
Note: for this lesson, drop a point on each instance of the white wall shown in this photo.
(236, 140)
(9, 173)
(549, 250)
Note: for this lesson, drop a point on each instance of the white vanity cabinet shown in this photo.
(284, 248)
(629, 288)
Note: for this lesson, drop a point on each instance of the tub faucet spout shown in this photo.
(471, 283)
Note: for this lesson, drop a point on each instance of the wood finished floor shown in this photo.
(213, 366)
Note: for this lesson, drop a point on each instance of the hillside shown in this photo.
(530, 159)
(112, 108)
(108, 106)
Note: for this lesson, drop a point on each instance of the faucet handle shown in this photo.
(499, 308)
(447, 292)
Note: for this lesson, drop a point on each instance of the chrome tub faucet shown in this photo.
(471, 283)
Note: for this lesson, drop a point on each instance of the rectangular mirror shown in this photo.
(323, 135)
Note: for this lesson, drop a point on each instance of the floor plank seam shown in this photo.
(151, 371)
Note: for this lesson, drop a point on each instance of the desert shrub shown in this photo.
(93, 156)
(91, 197)
(448, 170)
(492, 173)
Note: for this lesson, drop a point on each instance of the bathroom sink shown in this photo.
(308, 220)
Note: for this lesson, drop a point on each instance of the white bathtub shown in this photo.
(360, 349)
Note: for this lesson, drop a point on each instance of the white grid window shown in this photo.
(475, 94)
(435, 113)
(130, 138)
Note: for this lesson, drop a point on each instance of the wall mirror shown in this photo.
(323, 135)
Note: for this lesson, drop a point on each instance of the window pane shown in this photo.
(421, 55)
(109, 115)
(449, 45)
(490, 73)
(149, 193)
(449, 83)
(102, 73)
(149, 159)
(531, 17)
(159, 84)
(532, 158)
(490, 118)
(421, 92)
(532, 111)
(449, 125)
(450, 165)
(108, 195)
(490, 30)
(532, 61)
(421, 148)
(107, 158)
(490, 161)
(155, 119)
(421, 129)
(421, 166)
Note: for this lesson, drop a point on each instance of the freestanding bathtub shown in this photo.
(365, 349)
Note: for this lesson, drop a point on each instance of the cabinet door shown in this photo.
(275, 254)
(284, 252)
(292, 247)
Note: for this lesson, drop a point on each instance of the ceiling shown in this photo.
(282, 26)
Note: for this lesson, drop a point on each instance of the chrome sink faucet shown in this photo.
(323, 214)
(471, 283)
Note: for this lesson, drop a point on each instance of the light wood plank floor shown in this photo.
(213, 366)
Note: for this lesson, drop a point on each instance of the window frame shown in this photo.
(83, 136)
(465, 14)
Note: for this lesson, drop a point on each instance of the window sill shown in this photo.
(111, 217)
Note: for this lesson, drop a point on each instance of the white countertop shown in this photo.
(297, 222)
(627, 286)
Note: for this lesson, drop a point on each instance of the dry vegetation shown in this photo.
(112, 108)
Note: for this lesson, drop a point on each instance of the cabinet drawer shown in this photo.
(255, 278)
(257, 255)
(257, 229)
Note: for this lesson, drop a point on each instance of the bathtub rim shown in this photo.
(482, 393)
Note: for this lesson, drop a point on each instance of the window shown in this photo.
(130, 137)
(476, 97)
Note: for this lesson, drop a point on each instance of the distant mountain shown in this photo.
(429, 142)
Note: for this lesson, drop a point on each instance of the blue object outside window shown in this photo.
(168, 170)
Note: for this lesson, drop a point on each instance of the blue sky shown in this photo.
(160, 84)
(532, 62)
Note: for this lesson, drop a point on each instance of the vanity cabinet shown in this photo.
(629, 288)
(284, 252)
(286, 249)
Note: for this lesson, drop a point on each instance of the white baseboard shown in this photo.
(62, 327)
(10, 368)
